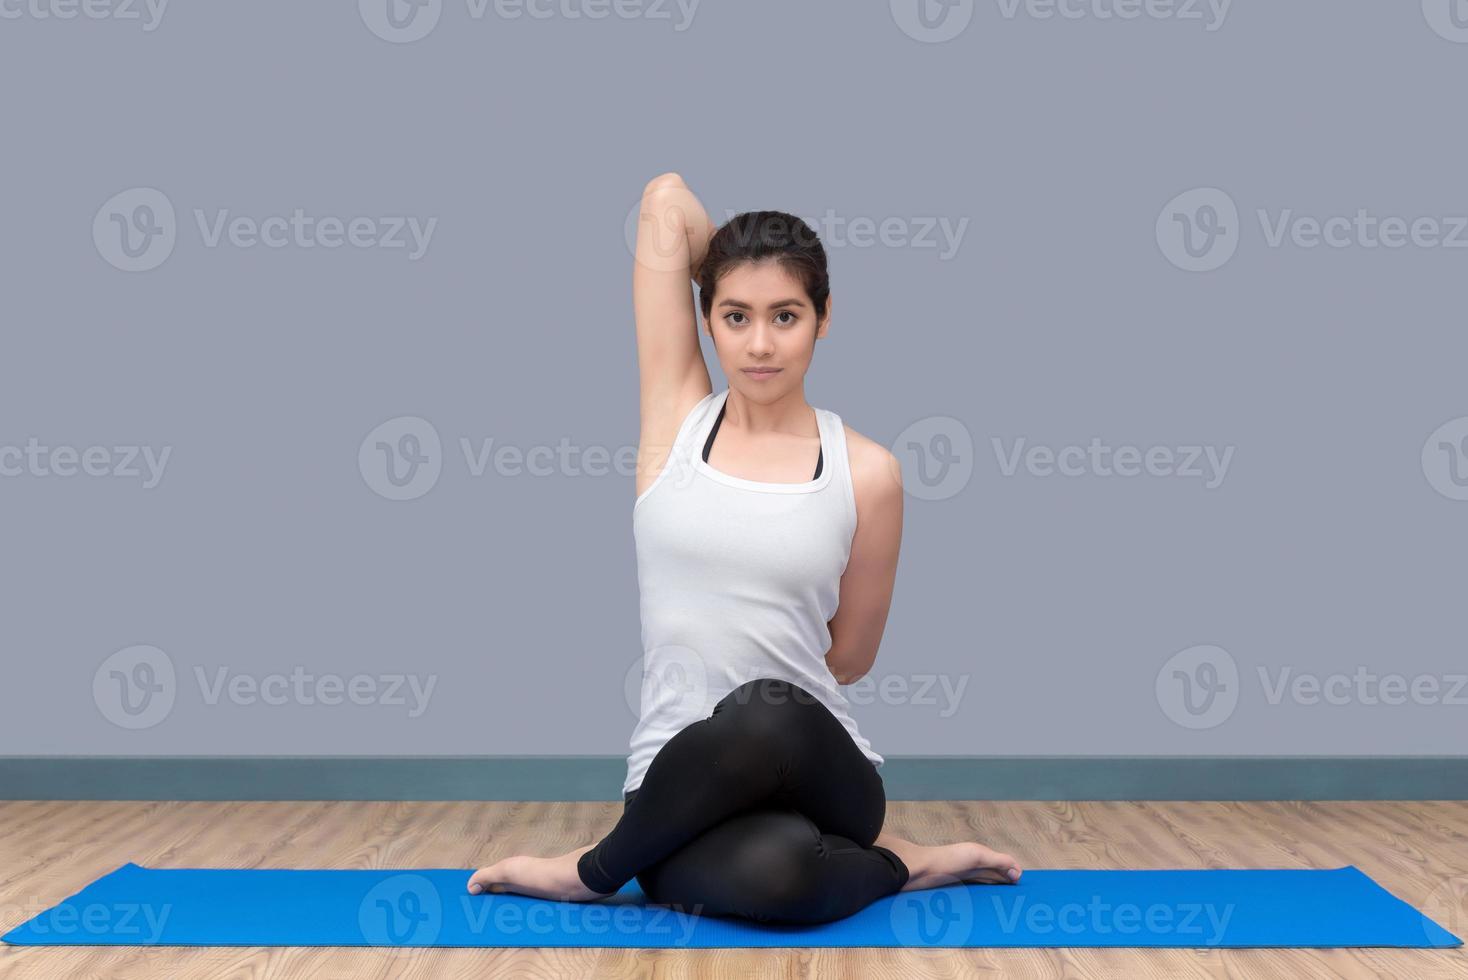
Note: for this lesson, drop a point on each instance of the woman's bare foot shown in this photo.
(947, 864)
(553, 878)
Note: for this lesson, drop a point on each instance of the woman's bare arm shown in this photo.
(871, 572)
(673, 230)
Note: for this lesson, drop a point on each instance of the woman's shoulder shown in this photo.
(875, 472)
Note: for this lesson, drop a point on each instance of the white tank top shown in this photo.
(737, 580)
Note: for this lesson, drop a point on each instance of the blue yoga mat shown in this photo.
(137, 906)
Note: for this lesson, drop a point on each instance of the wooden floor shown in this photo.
(49, 850)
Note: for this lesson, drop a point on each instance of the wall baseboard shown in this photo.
(562, 777)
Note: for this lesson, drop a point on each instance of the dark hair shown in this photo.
(756, 236)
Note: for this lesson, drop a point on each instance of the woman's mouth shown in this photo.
(761, 372)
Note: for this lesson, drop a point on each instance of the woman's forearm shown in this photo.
(668, 199)
(700, 229)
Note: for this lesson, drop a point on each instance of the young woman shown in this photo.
(749, 790)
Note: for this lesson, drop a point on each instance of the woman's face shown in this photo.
(762, 317)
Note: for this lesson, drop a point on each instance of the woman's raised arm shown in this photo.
(673, 231)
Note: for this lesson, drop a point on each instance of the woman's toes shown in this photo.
(994, 867)
(486, 879)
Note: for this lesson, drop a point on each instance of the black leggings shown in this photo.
(766, 810)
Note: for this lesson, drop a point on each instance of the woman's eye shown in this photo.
(729, 319)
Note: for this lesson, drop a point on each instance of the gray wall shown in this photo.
(1054, 229)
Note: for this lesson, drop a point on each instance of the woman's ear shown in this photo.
(825, 321)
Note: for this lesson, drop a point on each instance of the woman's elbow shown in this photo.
(846, 669)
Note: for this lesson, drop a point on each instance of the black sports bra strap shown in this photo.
(708, 444)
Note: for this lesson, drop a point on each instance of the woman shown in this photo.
(749, 790)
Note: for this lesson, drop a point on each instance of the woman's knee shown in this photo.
(781, 874)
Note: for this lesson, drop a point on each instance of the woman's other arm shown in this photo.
(871, 572)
